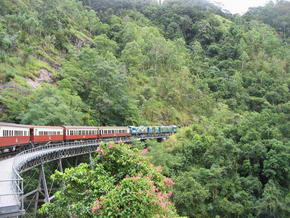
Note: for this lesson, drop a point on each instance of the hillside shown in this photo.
(168, 64)
(185, 62)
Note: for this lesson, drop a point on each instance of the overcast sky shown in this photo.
(240, 6)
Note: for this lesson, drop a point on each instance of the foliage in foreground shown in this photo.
(229, 166)
(120, 183)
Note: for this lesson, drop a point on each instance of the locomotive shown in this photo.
(20, 137)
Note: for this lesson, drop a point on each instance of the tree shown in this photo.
(120, 183)
(226, 166)
(102, 84)
(51, 106)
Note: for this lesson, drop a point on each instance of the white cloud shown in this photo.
(240, 6)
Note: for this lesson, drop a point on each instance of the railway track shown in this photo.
(4, 156)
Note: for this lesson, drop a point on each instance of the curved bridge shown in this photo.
(11, 183)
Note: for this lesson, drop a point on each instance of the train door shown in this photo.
(31, 132)
(65, 133)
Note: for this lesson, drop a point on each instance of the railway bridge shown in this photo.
(12, 193)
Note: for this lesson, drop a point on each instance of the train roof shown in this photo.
(94, 127)
(48, 127)
(15, 125)
(80, 127)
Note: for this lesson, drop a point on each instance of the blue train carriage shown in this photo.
(138, 130)
(173, 129)
(153, 129)
(168, 129)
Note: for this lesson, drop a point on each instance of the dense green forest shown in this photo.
(223, 78)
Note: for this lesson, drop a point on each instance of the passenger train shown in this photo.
(20, 137)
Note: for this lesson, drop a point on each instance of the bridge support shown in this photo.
(60, 165)
(44, 184)
(91, 160)
(161, 139)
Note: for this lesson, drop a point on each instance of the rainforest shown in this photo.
(223, 79)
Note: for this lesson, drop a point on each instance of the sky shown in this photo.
(240, 6)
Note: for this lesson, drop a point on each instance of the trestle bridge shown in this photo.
(12, 194)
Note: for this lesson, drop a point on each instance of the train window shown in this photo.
(18, 133)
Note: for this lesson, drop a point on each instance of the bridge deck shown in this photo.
(8, 200)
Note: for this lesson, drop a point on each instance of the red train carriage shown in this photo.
(114, 131)
(41, 134)
(13, 134)
(80, 132)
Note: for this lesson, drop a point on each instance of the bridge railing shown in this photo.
(25, 156)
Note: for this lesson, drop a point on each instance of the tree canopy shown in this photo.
(121, 182)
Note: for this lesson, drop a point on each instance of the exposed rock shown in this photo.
(44, 76)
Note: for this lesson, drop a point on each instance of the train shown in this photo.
(15, 137)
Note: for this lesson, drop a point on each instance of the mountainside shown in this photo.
(185, 62)
(135, 62)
